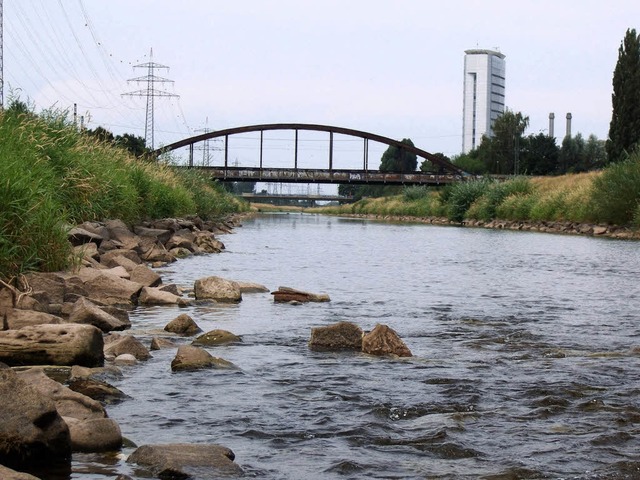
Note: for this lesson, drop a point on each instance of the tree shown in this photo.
(429, 167)
(134, 144)
(396, 159)
(102, 134)
(506, 141)
(539, 155)
(571, 155)
(624, 129)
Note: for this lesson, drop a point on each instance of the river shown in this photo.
(526, 356)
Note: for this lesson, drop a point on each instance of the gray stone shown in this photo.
(183, 461)
(183, 324)
(383, 340)
(86, 312)
(190, 358)
(218, 289)
(339, 336)
(216, 337)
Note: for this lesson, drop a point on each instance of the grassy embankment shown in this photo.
(52, 177)
(611, 196)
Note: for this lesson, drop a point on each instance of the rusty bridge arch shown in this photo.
(444, 166)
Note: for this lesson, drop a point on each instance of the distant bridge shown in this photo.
(443, 171)
(253, 197)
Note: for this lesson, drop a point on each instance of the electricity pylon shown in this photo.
(151, 79)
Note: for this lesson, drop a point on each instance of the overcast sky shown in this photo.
(394, 68)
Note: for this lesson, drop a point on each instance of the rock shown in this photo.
(90, 429)
(79, 236)
(382, 340)
(31, 430)
(126, 359)
(110, 258)
(64, 344)
(158, 254)
(88, 251)
(286, 294)
(121, 261)
(16, 319)
(189, 358)
(111, 290)
(145, 276)
(86, 312)
(182, 239)
(183, 324)
(340, 336)
(155, 296)
(218, 289)
(158, 343)
(207, 243)
(248, 287)
(184, 461)
(172, 288)
(119, 344)
(600, 230)
(8, 474)
(52, 284)
(180, 252)
(216, 337)
(158, 234)
(94, 434)
(97, 390)
(119, 231)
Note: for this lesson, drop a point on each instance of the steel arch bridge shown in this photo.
(445, 172)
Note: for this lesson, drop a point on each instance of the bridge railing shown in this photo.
(287, 175)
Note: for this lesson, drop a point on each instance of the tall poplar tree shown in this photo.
(624, 130)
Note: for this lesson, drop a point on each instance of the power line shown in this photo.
(151, 79)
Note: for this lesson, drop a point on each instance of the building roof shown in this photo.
(477, 51)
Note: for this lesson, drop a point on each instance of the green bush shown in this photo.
(460, 196)
(615, 196)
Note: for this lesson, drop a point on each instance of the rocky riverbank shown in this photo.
(568, 228)
(61, 340)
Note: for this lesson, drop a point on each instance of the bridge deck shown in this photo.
(299, 175)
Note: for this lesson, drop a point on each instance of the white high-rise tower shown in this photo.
(484, 95)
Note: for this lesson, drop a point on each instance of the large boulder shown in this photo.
(183, 324)
(190, 358)
(90, 429)
(216, 337)
(383, 340)
(49, 285)
(119, 231)
(160, 235)
(97, 390)
(80, 236)
(64, 344)
(86, 312)
(181, 460)
(286, 294)
(16, 318)
(116, 345)
(207, 243)
(218, 289)
(31, 430)
(111, 290)
(339, 336)
(113, 258)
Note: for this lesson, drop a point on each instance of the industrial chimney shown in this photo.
(552, 117)
(568, 124)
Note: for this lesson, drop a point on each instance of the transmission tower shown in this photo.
(151, 92)
(206, 147)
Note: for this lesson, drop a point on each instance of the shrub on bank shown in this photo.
(53, 176)
(615, 197)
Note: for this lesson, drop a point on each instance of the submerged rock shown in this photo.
(216, 337)
(190, 357)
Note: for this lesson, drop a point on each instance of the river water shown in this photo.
(526, 356)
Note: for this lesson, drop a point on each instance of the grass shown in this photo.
(52, 176)
(610, 196)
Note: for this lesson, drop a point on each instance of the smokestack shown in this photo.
(552, 117)
(568, 124)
